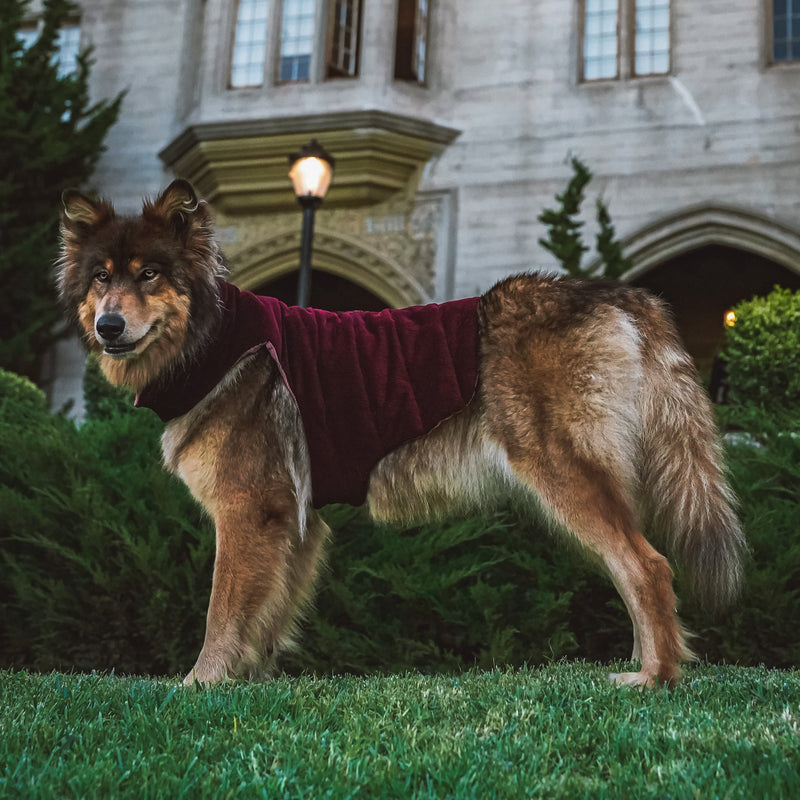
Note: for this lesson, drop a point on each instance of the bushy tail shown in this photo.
(690, 502)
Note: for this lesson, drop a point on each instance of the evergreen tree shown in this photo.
(50, 138)
(564, 229)
(564, 238)
(608, 247)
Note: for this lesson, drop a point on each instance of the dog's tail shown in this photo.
(689, 500)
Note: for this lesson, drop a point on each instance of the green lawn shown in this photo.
(560, 731)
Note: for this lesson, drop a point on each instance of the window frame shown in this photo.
(632, 43)
(314, 55)
(334, 71)
(320, 69)
(582, 45)
(783, 63)
(411, 29)
(626, 45)
(234, 24)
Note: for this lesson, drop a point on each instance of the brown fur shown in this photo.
(589, 408)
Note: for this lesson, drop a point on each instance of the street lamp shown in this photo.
(310, 170)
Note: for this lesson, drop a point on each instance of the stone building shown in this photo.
(451, 122)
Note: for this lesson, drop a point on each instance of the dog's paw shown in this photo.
(642, 680)
(206, 672)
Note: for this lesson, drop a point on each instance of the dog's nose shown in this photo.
(110, 326)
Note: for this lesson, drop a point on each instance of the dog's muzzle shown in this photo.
(109, 329)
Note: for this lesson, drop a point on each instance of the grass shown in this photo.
(559, 731)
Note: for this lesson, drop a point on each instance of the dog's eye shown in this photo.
(102, 275)
(148, 274)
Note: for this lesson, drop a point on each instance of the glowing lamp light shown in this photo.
(730, 318)
(311, 171)
(311, 177)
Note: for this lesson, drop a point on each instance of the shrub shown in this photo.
(763, 352)
(481, 591)
(106, 563)
(764, 462)
(101, 399)
(106, 559)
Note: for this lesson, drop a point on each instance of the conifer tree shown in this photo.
(608, 246)
(564, 239)
(51, 136)
(564, 228)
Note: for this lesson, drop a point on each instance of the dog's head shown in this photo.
(142, 289)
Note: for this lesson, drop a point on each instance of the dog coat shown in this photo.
(364, 382)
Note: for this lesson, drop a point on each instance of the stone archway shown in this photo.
(342, 256)
(705, 260)
(703, 225)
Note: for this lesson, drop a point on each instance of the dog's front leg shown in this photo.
(252, 599)
(244, 458)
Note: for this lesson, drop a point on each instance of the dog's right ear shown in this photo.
(80, 214)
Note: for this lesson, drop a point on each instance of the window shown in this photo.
(410, 58)
(316, 38)
(624, 38)
(249, 43)
(67, 45)
(785, 30)
(651, 42)
(600, 39)
(343, 39)
(297, 40)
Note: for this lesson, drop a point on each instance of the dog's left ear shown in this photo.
(79, 213)
(176, 205)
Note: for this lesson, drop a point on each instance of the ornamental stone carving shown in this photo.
(389, 249)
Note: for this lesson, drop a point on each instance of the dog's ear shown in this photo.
(189, 219)
(80, 214)
(176, 205)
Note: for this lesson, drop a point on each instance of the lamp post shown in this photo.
(310, 170)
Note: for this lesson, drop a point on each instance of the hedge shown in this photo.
(762, 352)
(107, 562)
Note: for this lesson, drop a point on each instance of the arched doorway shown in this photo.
(328, 291)
(702, 284)
(705, 259)
(347, 274)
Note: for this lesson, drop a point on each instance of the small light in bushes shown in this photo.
(730, 318)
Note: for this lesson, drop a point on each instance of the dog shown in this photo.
(576, 399)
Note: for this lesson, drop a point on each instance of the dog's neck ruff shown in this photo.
(364, 382)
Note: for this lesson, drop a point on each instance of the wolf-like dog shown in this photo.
(581, 403)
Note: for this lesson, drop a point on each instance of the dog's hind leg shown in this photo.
(562, 376)
(590, 504)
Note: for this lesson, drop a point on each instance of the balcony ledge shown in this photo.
(242, 167)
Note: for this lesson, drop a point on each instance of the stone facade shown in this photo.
(716, 138)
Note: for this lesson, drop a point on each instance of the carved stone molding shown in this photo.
(335, 253)
(396, 249)
(241, 166)
(710, 224)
